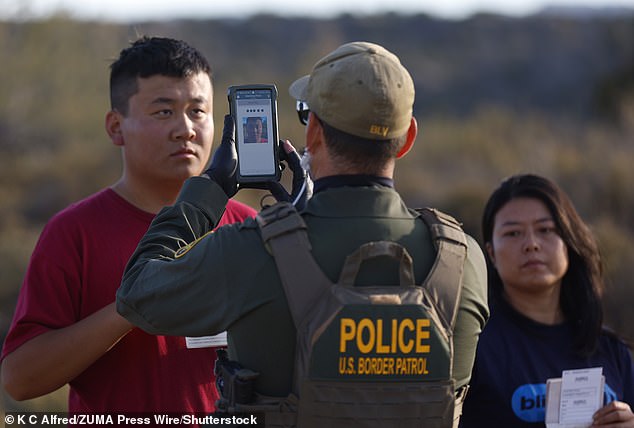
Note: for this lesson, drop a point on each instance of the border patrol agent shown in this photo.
(356, 312)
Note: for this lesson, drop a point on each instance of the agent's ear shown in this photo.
(411, 137)
(113, 127)
(314, 134)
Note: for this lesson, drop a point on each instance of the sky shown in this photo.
(134, 10)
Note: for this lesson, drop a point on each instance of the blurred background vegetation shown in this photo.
(551, 94)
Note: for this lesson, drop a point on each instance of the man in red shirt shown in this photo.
(65, 328)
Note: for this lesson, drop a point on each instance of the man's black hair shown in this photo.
(149, 56)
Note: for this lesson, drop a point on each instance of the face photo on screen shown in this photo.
(255, 130)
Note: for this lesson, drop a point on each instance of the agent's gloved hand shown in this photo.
(302, 187)
(223, 168)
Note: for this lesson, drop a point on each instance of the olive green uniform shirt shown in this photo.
(186, 280)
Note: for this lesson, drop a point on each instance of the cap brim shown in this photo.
(298, 88)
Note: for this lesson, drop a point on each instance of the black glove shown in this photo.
(302, 187)
(223, 168)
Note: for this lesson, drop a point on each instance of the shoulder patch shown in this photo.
(183, 250)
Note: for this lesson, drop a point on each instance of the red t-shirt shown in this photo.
(75, 270)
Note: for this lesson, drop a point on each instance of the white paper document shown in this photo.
(219, 339)
(572, 399)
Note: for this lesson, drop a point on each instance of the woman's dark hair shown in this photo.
(582, 285)
(150, 56)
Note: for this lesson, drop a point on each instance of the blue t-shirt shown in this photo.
(516, 356)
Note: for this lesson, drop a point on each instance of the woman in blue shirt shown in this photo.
(545, 284)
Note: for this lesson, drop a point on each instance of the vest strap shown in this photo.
(444, 281)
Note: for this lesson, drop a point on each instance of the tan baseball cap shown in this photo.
(360, 88)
